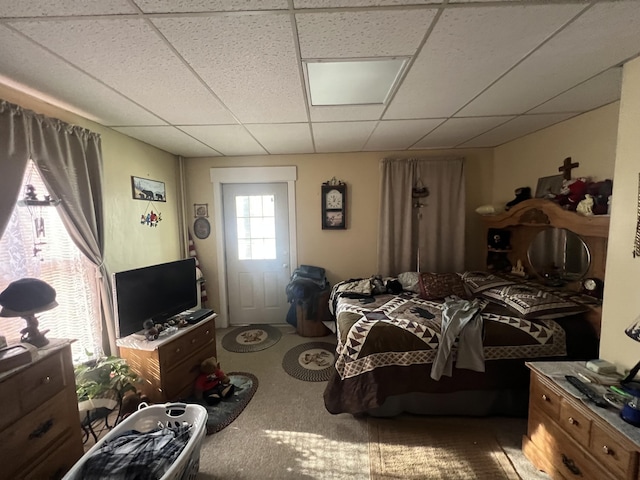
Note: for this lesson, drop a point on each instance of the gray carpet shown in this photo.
(286, 433)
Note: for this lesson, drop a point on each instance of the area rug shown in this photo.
(412, 447)
(227, 410)
(251, 338)
(311, 362)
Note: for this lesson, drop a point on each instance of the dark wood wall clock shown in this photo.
(334, 205)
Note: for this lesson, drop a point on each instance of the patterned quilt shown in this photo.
(401, 330)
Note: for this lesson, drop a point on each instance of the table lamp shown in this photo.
(24, 298)
(631, 411)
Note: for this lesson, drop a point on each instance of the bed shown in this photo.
(389, 333)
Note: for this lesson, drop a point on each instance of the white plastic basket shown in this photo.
(186, 466)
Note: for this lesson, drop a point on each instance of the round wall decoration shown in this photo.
(201, 227)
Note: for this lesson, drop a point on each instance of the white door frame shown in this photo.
(220, 176)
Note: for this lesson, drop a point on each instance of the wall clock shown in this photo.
(593, 287)
(201, 227)
(334, 205)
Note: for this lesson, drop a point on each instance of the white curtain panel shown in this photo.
(69, 158)
(434, 232)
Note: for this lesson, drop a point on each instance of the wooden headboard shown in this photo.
(529, 217)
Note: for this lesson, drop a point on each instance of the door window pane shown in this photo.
(256, 226)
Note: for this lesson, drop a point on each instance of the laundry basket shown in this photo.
(186, 465)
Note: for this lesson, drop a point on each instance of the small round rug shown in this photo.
(310, 362)
(227, 410)
(251, 338)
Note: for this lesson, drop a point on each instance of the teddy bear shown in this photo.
(212, 384)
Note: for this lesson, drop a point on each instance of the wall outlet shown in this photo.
(601, 366)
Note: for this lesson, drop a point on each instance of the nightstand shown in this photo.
(570, 437)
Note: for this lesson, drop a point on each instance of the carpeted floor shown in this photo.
(286, 433)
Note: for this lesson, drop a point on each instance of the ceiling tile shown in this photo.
(341, 136)
(283, 138)
(22, 63)
(455, 131)
(162, 6)
(249, 60)
(358, 3)
(63, 8)
(169, 139)
(399, 134)
(468, 49)
(149, 74)
(229, 140)
(362, 34)
(600, 90)
(515, 128)
(604, 36)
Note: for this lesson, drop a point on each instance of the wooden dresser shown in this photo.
(569, 437)
(40, 435)
(169, 366)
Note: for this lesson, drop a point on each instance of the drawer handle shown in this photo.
(42, 429)
(207, 332)
(607, 450)
(46, 380)
(178, 350)
(193, 340)
(545, 398)
(571, 465)
(573, 421)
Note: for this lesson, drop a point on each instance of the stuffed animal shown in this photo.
(212, 384)
(585, 207)
(522, 194)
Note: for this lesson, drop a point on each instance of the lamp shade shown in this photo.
(27, 296)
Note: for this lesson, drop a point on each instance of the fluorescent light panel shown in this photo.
(353, 82)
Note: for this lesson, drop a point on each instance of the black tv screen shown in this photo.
(156, 292)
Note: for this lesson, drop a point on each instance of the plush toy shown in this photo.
(600, 191)
(151, 332)
(572, 193)
(212, 384)
(585, 207)
(522, 194)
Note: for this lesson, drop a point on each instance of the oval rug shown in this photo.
(310, 362)
(251, 338)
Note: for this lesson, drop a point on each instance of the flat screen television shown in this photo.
(156, 292)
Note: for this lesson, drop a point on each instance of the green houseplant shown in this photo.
(103, 382)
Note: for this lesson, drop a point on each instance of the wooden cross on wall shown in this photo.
(566, 168)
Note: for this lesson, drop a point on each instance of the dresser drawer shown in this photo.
(179, 381)
(545, 398)
(575, 423)
(58, 462)
(43, 380)
(174, 352)
(31, 436)
(611, 453)
(9, 405)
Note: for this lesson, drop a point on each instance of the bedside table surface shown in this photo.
(556, 371)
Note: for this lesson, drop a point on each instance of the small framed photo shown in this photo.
(145, 189)
(549, 187)
(201, 209)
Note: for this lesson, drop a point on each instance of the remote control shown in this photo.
(591, 394)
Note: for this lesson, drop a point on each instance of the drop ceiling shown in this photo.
(228, 77)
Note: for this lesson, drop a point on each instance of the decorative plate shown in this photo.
(201, 227)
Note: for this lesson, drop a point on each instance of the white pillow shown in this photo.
(410, 281)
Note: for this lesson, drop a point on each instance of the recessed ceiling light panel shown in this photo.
(353, 82)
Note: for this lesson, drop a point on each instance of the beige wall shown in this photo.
(127, 243)
(622, 296)
(589, 139)
(343, 253)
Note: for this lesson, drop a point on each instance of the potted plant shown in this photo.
(102, 383)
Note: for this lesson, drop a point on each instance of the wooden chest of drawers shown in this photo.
(568, 438)
(40, 435)
(169, 367)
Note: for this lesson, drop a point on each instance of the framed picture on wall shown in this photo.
(146, 189)
(201, 209)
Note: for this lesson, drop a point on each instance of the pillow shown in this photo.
(436, 286)
(410, 281)
(360, 285)
(530, 303)
(476, 282)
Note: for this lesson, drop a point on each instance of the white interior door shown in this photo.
(256, 232)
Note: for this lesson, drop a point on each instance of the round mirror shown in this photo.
(559, 255)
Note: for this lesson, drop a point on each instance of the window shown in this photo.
(36, 244)
(255, 217)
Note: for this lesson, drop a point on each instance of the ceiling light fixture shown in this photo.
(353, 82)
